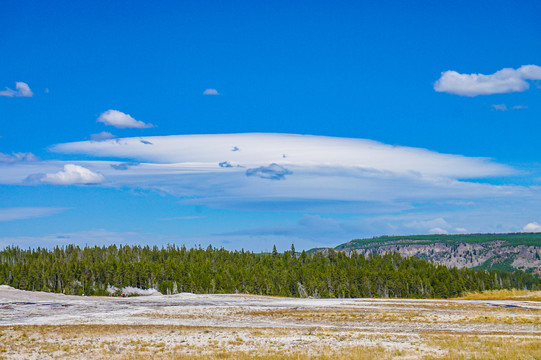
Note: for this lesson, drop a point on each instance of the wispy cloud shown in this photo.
(211, 92)
(86, 237)
(519, 107)
(20, 213)
(503, 107)
(499, 107)
(21, 90)
(121, 120)
(72, 174)
(102, 136)
(18, 156)
(435, 226)
(98, 237)
(311, 230)
(316, 229)
(503, 81)
(311, 227)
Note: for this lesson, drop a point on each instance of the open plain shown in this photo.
(37, 325)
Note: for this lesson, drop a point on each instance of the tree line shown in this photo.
(173, 269)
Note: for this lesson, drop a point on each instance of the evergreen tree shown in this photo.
(92, 270)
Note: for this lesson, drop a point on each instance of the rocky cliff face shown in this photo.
(489, 255)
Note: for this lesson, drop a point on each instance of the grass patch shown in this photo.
(213, 343)
(513, 294)
(485, 347)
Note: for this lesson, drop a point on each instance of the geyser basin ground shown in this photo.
(43, 325)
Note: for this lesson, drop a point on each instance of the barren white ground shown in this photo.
(196, 324)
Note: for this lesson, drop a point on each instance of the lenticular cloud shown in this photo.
(272, 171)
(287, 150)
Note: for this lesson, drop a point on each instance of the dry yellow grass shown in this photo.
(474, 347)
(354, 353)
(536, 320)
(169, 342)
(502, 295)
(344, 316)
(338, 315)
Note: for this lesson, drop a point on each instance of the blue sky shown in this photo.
(408, 137)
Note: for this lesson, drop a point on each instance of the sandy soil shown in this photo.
(40, 325)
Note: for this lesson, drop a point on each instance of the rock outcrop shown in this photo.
(502, 254)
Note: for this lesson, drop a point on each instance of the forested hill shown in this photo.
(514, 251)
(91, 270)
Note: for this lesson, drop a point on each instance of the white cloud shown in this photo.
(104, 135)
(22, 90)
(19, 213)
(503, 81)
(532, 227)
(18, 156)
(530, 72)
(211, 92)
(121, 120)
(499, 107)
(73, 174)
(308, 152)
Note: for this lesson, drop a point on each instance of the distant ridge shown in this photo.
(510, 251)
